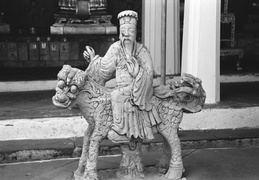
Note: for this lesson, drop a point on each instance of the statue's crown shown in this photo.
(128, 17)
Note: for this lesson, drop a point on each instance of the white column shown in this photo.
(151, 30)
(201, 44)
(173, 37)
(152, 33)
(163, 41)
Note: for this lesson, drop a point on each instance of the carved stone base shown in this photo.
(131, 166)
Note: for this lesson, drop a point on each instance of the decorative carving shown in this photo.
(131, 164)
(227, 18)
(225, 6)
(131, 112)
(234, 52)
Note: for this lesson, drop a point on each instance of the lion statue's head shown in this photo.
(70, 82)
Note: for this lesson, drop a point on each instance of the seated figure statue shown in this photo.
(130, 62)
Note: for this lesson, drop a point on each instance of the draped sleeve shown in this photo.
(142, 90)
(102, 69)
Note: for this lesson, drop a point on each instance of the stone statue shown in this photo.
(131, 112)
(130, 62)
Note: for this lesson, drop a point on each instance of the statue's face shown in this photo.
(128, 33)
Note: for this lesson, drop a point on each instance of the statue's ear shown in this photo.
(62, 75)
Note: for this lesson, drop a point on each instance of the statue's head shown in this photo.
(128, 26)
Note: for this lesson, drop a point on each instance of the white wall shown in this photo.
(69, 127)
(18, 86)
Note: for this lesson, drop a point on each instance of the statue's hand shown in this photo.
(89, 53)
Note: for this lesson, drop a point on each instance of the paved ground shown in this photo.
(201, 164)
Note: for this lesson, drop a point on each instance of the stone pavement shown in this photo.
(200, 164)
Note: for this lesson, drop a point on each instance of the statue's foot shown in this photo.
(117, 138)
(174, 173)
(163, 164)
(77, 175)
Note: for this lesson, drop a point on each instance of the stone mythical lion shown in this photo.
(78, 88)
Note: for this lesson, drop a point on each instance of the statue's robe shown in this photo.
(132, 95)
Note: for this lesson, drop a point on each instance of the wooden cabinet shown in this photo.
(50, 51)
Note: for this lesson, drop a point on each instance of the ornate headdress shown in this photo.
(128, 17)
